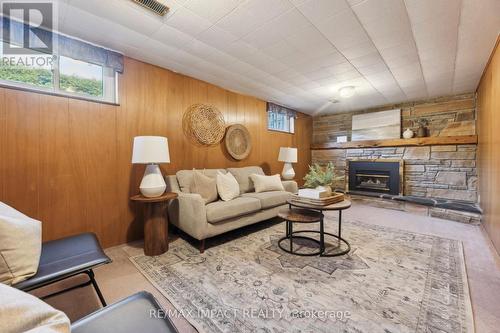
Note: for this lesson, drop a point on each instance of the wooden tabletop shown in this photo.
(300, 215)
(164, 197)
(336, 206)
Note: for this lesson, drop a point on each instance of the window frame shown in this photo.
(109, 77)
(289, 118)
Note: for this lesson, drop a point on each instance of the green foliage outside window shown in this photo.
(43, 78)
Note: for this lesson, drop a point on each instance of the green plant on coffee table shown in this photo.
(320, 176)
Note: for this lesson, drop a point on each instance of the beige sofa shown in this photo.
(190, 213)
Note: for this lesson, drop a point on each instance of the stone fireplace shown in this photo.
(375, 176)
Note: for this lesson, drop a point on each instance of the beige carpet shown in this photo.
(391, 281)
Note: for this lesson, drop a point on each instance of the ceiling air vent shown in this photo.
(153, 5)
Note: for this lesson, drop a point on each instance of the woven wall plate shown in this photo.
(204, 123)
(238, 141)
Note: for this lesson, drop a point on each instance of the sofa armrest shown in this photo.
(290, 186)
(188, 213)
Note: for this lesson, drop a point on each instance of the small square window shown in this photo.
(280, 119)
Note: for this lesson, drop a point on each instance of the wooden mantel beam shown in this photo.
(428, 141)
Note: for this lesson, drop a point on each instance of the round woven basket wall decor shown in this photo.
(238, 141)
(204, 123)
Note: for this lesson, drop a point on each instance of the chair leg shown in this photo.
(90, 273)
(202, 246)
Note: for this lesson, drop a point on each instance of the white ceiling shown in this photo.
(300, 52)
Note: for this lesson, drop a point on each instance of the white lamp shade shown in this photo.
(288, 154)
(150, 149)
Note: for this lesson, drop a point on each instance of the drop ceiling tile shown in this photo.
(171, 36)
(251, 15)
(217, 37)
(188, 22)
(212, 10)
(318, 10)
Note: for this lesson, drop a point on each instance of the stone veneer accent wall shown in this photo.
(447, 116)
(447, 172)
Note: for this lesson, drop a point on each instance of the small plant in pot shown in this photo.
(320, 178)
(422, 127)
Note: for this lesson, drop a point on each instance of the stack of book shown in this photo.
(317, 198)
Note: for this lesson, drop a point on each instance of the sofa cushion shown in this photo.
(269, 199)
(22, 312)
(267, 183)
(227, 186)
(184, 177)
(20, 245)
(204, 186)
(221, 210)
(242, 175)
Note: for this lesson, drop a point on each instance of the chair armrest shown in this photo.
(290, 186)
(188, 213)
(137, 313)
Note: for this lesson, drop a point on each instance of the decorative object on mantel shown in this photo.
(422, 128)
(408, 134)
(151, 150)
(318, 183)
(289, 156)
(204, 123)
(377, 125)
(238, 141)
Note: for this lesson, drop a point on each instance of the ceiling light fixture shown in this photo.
(347, 91)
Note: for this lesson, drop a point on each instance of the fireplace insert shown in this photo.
(380, 176)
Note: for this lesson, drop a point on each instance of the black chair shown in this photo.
(65, 258)
(137, 313)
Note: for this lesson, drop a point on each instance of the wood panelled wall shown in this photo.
(488, 111)
(67, 163)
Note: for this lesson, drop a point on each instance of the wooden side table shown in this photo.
(155, 222)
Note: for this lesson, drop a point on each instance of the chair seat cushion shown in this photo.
(137, 313)
(20, 245)
(269, 199)
(222, 210)
(65, 257)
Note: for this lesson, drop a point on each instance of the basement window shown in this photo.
(280, 118)
(59, 75)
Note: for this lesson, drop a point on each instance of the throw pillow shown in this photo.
(227, 186)
(20, 245)
(267, 183)
(22, 312)
(204, 186)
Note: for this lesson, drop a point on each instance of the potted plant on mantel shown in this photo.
(422, 127)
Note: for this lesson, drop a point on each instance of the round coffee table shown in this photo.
(294, 215)
(340, 206)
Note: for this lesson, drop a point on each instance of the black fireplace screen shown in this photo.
(374, 176)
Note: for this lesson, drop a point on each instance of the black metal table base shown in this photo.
(322, 249)
(290, 236)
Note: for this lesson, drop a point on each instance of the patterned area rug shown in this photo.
(391, 281)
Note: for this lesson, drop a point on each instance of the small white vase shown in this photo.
(408, 134)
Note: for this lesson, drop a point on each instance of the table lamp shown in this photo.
(151, 150)
(289, 156)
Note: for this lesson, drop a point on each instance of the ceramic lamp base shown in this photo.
(288, 172)
(152, 184)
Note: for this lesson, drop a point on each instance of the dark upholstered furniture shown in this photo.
(137, 313)
(67, 257)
